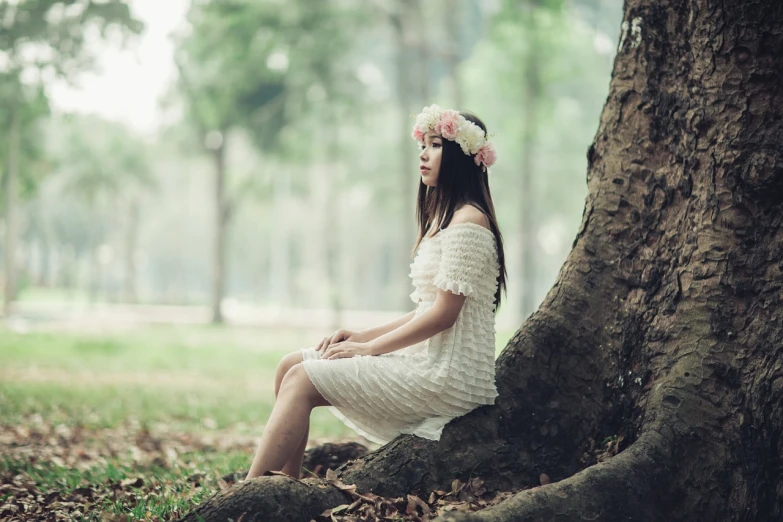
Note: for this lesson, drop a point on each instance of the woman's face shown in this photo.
(429, 159)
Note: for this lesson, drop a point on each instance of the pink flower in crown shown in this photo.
(417, 134)
(486, 155)
(449, 124)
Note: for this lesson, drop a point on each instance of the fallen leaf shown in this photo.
(132, 483)
(341, 507)
(416, 501)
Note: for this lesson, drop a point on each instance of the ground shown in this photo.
(142, 423)
(137, 424)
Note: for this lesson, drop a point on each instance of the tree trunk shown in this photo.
(9, 288)
(131, 240)
(331, 224)
(95, 275)
(663, 331)
(221, 219)
(280, 246)
(400, 21)
(48, 254)
(451, 10)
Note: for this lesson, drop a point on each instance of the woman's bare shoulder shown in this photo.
(469, 214)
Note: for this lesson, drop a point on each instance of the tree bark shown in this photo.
(11, 182)
(664, 327)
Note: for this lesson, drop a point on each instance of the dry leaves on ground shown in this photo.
(61, 472)
(367, 507)
(77, 449)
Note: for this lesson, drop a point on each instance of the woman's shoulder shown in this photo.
(469, 219)
(468, 228)
(469, 214)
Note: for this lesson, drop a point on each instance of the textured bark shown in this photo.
(665, 324)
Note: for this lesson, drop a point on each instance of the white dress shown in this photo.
(420, 388)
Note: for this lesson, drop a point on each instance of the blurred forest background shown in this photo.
(251, 161)
(168, 166)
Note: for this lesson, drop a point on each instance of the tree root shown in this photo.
(631, 486)
(278, 498)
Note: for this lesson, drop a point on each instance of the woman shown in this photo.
(417, 373)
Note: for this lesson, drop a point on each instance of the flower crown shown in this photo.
(453, 126)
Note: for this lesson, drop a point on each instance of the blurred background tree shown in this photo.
(39, 41)
(259, 68)
(278, 180)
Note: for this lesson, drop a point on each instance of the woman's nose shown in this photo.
(422, 155)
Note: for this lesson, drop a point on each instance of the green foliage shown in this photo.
(51, 34)
(262, 65)
(32, 106)
(41, 39)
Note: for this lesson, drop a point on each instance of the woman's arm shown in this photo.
(369, 334)
(440, 317)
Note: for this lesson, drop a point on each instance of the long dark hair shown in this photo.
(460, 182)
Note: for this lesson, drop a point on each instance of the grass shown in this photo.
(183, 388)
(161, 493)
(192, 377)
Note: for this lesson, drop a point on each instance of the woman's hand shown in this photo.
(339, 335)
(346, 349)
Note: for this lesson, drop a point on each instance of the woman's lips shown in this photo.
(423, 169)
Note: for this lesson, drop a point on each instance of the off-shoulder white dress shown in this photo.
(420, 388)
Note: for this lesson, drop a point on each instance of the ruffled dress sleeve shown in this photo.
(468, 259)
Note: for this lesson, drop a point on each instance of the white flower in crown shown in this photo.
(429, 117)
(470, 137)
(451, 125)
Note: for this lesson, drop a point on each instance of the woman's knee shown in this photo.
(286, 363)
(297, 382)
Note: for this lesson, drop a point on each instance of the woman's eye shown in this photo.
(436, 144)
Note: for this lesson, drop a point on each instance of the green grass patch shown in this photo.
(143, 492)
(192, 377)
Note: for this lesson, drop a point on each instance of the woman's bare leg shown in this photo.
(294, 465)
(288, 422)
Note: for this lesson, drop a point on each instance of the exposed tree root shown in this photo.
(277, 498)
(632, 486)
